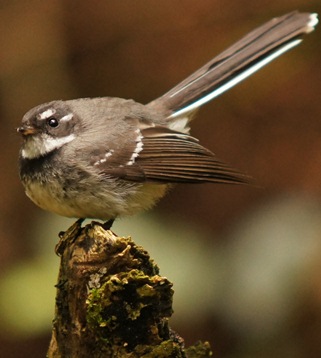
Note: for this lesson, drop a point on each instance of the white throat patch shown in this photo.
(37, 146)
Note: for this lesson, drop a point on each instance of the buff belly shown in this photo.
(97, 204)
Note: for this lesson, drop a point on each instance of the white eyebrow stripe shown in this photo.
(67, 117)
(47, 114)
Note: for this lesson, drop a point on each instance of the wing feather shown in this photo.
(165, 156)
(172, 156)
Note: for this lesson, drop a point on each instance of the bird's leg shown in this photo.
(108, 224)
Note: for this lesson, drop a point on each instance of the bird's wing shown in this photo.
(156, 153)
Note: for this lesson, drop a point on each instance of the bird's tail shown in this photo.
(239, 61)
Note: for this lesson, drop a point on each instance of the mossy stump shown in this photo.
(111, 300)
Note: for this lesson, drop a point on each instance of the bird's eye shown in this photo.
(53, 122)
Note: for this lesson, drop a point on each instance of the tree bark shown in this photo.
(111, 300)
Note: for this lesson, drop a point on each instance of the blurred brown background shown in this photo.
(245, 261)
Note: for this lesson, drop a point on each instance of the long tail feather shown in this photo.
(236, 63)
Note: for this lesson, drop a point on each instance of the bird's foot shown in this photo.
(64, 236)
(76, 224)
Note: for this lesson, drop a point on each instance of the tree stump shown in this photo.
(111, 300)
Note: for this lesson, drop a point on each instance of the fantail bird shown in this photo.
(107, 157)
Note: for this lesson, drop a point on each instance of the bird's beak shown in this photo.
(27, 130)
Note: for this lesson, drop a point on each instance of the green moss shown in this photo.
(130, 296)
(112, 302)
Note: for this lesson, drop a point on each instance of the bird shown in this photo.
(106, 157)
